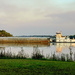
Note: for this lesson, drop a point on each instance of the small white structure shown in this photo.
(60, 38)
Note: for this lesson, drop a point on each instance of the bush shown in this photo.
(37, 54)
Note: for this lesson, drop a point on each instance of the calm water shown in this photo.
(46, 49)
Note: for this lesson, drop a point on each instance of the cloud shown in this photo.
(37, 16)
(63, 17)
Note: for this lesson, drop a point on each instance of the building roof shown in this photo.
(58, 32)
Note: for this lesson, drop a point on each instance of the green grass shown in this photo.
(35, 67)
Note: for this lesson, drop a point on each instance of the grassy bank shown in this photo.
(35, 67)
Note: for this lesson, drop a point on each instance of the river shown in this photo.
(47, 50)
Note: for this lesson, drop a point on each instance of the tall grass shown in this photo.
(9, 55)
(37, 54)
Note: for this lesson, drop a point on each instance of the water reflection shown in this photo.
(49, 50)
(61, 46)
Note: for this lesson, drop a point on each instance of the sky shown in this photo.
(37, 17)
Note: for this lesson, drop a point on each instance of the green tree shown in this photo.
(3, 33)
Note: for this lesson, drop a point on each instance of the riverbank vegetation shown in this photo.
(36, 55)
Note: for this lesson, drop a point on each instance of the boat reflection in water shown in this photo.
(66, 48)
(61, 46)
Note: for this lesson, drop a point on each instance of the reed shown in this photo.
(23, 40)
(35, 55)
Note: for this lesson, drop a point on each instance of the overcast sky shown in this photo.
(37, 17)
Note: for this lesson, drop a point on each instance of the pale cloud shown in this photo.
(63, 16)
(31, 15)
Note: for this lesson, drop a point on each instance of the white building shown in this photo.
(60, 38)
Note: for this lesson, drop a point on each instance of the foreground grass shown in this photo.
(35, 67)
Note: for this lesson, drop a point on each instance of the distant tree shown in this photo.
(72, 36)
(3, 33)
